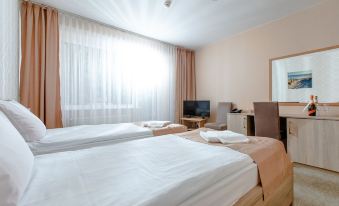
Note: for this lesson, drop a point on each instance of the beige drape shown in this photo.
(39, 72)
(185, 80)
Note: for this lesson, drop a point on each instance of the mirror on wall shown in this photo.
(295, 77)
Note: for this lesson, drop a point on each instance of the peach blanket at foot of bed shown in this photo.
(269, 155)
(169, 129)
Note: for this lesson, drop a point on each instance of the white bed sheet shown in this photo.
(85, 136)
(166, 170)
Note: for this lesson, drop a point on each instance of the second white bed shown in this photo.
(166, 170)
(85, 136)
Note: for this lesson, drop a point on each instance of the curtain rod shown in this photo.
(104, 24)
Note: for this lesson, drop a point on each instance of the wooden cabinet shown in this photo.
(239, 123)
(310, 140)
(314, 142)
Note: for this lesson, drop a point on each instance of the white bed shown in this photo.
(85, 136)
(44, 141)
(166, 170)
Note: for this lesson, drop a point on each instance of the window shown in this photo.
(109, 76)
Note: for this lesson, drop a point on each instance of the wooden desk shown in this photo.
(193, 122)
(295, 116)
(310, 140)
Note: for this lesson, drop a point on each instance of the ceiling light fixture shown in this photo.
(168, 3)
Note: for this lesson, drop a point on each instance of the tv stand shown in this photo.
(193, 122)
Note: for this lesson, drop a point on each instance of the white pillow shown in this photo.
(29, 125)
(16, 163)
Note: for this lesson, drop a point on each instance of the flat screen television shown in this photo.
(197, 108)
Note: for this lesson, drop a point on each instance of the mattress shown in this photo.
(85, 136)
(166, 170)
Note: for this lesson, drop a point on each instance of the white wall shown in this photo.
(9, 49)
(237, 69)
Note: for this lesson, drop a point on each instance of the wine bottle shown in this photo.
(312, 108)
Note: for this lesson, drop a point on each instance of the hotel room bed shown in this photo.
(86, 136)
(43, 141)
(166, 170)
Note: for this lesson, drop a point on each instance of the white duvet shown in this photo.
(166, 170)
(80, 137)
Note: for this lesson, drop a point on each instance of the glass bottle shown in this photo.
(312, 108)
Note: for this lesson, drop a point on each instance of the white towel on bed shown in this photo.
(224, 137)
(156, 124)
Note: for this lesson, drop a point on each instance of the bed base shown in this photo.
(283, 196)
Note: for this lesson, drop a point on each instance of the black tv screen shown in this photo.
(197, 108)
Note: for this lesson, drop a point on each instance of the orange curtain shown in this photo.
(185, 80)
(39, 72)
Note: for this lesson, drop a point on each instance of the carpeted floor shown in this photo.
(315, 187)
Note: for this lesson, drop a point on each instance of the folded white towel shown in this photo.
(156, 124)
(224, 137)
(209, 138)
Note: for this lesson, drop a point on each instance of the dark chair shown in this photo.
(221, 122)
(267, 120)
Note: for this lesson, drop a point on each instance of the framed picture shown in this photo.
(299, 80)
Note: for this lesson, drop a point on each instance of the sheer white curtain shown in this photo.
(111, 76)
(9, 49)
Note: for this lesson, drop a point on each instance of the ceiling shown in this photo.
(187, 23)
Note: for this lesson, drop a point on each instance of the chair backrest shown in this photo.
(222, 110)
(266, 119)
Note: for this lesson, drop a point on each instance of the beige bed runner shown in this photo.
(269, 154)
(169, 129)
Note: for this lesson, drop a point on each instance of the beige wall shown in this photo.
(237, 69)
